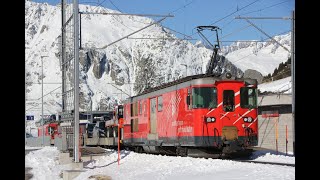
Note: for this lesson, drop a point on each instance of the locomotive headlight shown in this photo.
(213, 119)
(249, 119)
(228, 75)
(245, 119)
(208, 119)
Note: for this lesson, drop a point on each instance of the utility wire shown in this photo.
(114, 5)
(264, 8)
(250, 53)
(230, 14)
(253, 53)
(172, 12)
(234, 12)
(184, 6)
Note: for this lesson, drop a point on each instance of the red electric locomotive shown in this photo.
(200, 113)
(50, 129)
(208, 114)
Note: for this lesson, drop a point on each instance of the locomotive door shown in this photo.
(227, 110)
(228, 114)
(153, 120)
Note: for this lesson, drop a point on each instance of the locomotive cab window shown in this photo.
(50, 130)
(228, 100)
(204, 97)
(248, 97)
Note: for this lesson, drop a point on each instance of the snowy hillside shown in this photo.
(127, 65)
(261, 56)
(279, 86)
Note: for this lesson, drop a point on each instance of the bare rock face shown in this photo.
(223, 66)
(98, 59)
(85, 61)
(115, 71)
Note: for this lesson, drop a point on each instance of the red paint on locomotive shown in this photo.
(50, 129)
(165, 116)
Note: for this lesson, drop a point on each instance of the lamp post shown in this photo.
(42, 99)
(186, 68)
(146, 76)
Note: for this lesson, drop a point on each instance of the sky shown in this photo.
(45, 165)
(188, 14)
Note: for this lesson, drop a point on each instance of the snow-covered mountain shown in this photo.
(261, 56)
(121, 70)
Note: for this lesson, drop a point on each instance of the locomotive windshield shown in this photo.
(228, 100)
(248, 97)
(204, 97)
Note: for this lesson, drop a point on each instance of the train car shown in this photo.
(200, 114)
(49, 124)
(50, 129)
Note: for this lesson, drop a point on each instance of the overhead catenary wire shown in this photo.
(263, 40)
(229, 15)
(253, 53)
(114, 5)
(44, 96)
(265, 33)
(235, 12)
(103, 47)
(171, 13)
(259, 10)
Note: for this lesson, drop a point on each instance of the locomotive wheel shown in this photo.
(138, 149)
(182, 151)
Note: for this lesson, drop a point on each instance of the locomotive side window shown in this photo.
(204, 97)
(50, 130)
(134, 109)
(120, 112)
(160, 103)
(248, 97)
(228, 100)
(140, 107)
(188, 99)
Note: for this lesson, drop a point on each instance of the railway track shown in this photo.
(98, 150)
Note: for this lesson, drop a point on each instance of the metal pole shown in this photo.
(25, 106)
(76, 79)
(276, 129)
(118, 142)
(293, 78)
(80, 30)
(286, 140)
(186, 68)
(42, 100)
(63, 50)
(146, 76)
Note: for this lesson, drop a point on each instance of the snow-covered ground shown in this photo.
(44, 164)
